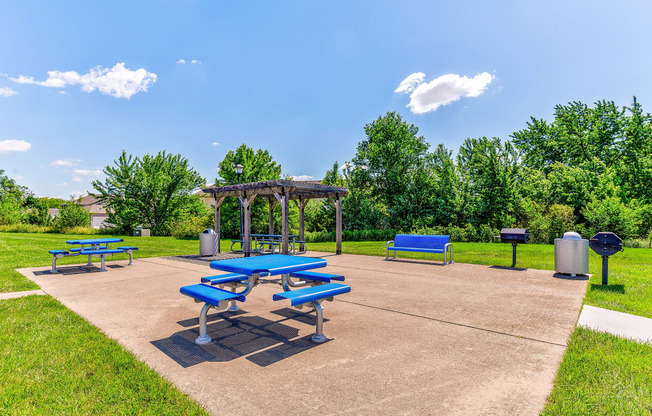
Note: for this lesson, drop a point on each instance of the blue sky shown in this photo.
(300, 79)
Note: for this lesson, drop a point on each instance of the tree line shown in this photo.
(588, 169)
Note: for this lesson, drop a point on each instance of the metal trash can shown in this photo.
(208, 243)
(571, 254)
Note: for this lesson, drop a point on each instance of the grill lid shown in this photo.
(606, 243)
(514, 235)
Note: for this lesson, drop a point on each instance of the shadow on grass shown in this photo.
(596, 287)
(235, 336)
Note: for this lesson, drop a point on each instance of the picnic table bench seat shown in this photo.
(224, 278)
(212, 297)
(313, 295)
(129, 250)
(421, 244)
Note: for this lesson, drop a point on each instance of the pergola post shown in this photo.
(272, 204)
(246, 205)
(301, 204)
(218, 220)
(285, 225)
(337, 202)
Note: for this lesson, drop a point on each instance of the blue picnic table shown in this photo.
(92, 247)
(247, 272)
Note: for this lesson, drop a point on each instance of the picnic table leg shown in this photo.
(131, 258)
(102, 268)
(54, 265)
(203, 337)
(90, 263)
(319, 336)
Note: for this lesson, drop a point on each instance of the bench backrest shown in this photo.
(421, 241)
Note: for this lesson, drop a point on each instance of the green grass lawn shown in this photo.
(43, 344)
(52, 362)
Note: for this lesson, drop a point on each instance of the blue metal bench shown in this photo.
(129, 250)
(312, 296)
(102, 252)
(212, 297)
(421, 244)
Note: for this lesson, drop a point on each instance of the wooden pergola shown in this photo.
(279, 192)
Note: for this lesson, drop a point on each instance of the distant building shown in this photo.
(53, 212)
(96, 208)
(208, 199)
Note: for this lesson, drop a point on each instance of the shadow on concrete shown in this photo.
(74, 270)
(283, 351)
(210, 318)
(515, 269)
(569, 277)
(305, 316)
(597, 287)
(235, 337)
(427, 262)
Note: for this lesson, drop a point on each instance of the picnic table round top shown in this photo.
(274, 264)
(96, 241)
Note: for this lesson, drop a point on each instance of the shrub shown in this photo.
(611, 214)
(190, 226)
(71, 215)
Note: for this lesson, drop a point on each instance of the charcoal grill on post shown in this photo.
(606, 244)
(514, 236)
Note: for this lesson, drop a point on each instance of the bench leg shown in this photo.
(131, 258)
(319, 336)
(102, 268)
(203, 337)
(54, 265)
(451, 261)
(90, 263)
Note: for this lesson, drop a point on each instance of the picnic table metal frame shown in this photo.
(96, 244)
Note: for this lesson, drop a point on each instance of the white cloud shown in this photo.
(7, 92)
(62, 184)
(87, 172)
(216, 144)
(19, 177)
(77, 194)
(7, 146)
(428, 96)
(181, 61)
(411, 82)
(76, 179)
(65, 162)
(302, 177)
(118, 81)
(63, 92)
(194, 61)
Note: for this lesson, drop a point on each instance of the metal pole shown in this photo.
(605, 270)
(513, 254)
(240, 203)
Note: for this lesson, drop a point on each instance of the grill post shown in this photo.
(605, 270)
(514, 254)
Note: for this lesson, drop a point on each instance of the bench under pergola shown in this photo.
(279, 192)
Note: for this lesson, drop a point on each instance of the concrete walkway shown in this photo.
(412, 338)
(13, 295)
(621, 324)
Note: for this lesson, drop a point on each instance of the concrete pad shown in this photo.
(411, 338)
(13, 295)
(621, 324)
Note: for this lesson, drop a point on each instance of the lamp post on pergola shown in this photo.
(238, 171)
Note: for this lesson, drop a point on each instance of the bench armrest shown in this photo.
(390, 242)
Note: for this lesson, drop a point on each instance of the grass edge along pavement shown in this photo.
(54, 362)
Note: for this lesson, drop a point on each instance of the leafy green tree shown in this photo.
(70, 215)
(12, 197)
(154, 191)
(388, 173)
(37, 211)
(635, 167)
(577, 135)
(610, 214)
(489, 173)
(258, 166)
(444, 204)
